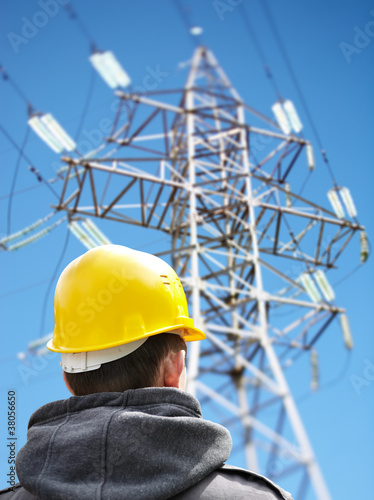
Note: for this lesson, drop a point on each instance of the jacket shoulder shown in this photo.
(233, 483)
(16, 492)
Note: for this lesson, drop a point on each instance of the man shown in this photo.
(130, 431)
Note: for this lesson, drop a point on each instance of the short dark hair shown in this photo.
(136, 370)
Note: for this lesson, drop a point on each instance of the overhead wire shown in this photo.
(252, 34)
(30, 108)
(185, 16)
(24, 288)
(291, 71)
(351, 273)
(51, 280)
(40, 376)
(29, 188)
(21, 153)
(87, 103)
(14, 180)
(31, 168)
(71, 119)
(82, 27)
(20, 191)
(16, 87)
(81, 121)
(331, 383)
(74, 16)
(268, 72)
(305, 182)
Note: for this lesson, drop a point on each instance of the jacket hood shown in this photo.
(147, 443)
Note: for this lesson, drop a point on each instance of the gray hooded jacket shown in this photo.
(146, 444)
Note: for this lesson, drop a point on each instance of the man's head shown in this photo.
(121, 322)
(159, 362)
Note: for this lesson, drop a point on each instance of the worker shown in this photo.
(130, 431)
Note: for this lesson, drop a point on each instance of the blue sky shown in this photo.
(330, 46)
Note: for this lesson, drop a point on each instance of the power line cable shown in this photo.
(31, 168)
(21, 191)
(29, 188)
(24, 288)
(330, 383)
(18, 90)
(185, 15)
(82, 27)
(269, 74)
(39, 177)
(81, 121)
(87, 103)
(51, 280)
(73, 118)
(40, 377)
(305, 182)
(14, 180)
(283, 51)
(353, 271)
(252, 34)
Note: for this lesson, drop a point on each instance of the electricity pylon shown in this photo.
(215, 174)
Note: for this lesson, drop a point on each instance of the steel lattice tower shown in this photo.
(189, 166)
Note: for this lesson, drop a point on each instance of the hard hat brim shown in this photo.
(189, 333)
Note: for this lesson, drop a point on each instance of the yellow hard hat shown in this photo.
(112, 295)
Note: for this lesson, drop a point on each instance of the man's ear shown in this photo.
(174, 370)
(67, 383)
